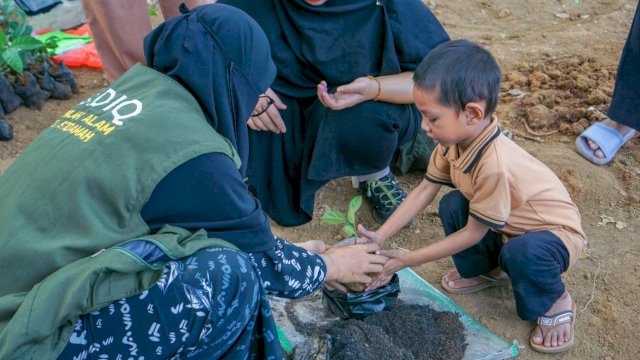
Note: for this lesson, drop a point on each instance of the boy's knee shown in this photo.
(451, 203)
(517, 250)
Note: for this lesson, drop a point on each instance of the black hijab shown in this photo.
(222, 57)
(342, 39)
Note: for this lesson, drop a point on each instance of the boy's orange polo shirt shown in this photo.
(508, 189)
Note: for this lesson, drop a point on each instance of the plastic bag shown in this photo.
(359, 305)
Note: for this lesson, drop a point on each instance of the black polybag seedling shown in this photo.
(357, 305)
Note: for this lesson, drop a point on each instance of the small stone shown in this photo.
(540, 116)
(584, 82)
(517, 78)
(597, 97)
(504, 13)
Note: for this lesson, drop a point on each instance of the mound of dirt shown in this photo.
(559, 94)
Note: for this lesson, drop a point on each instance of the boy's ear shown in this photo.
(475, 112)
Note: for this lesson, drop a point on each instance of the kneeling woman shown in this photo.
(127, 230)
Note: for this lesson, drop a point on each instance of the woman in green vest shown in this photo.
(127, 229)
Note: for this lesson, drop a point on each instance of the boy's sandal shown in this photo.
(491, 281)
(609, 141)
(562, 317)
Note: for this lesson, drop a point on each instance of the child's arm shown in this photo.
(416, 201)
(462, 239)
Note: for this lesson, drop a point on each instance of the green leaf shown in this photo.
(13, 59)
(152, 11)
(354, 205)
(27, 43)
(349, 230)
(3, 40)
(334, 217)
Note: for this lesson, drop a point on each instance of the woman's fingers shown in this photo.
(255, 124)
(375, 268)
(265, 122)
(363, 279)
(276, 124)
(334, 285)
(276, 99)
(266, 115)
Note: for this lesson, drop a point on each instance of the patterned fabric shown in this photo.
(208, 306)
(289, 271)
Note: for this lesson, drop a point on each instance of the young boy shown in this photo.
(509, 215)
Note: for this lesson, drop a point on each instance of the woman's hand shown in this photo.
(334, 285)
(266, 114)
(314, 246)
(360, 90)
(394, 263)
(352, 263)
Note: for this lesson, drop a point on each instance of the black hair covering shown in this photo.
(365, 34)
(222, 57)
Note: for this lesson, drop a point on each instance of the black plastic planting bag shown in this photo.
(359, 305)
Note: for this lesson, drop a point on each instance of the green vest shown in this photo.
(80, 187)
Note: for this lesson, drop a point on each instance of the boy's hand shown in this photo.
(367, 236)
(396, 261)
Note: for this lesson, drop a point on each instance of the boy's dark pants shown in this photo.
(534, 260)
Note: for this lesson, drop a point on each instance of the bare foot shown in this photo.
(314, 246)
(455, 283)
(555, 336)
(623, 130)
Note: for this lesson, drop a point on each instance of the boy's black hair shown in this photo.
(461, 72)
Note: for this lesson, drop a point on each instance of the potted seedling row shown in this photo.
(27, 75)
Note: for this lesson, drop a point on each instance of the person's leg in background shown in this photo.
(169, 8)
(118, 28)
(601, 141)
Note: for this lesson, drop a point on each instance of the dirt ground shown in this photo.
(559, 57)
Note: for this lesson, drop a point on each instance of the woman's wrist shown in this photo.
(329, 265)
(377, 88)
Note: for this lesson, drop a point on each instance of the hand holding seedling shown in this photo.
(395, 261)
(352, 263)
(365, 267)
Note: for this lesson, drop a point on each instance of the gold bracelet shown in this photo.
(375, 98)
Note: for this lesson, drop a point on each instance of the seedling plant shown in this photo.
(348, 220)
